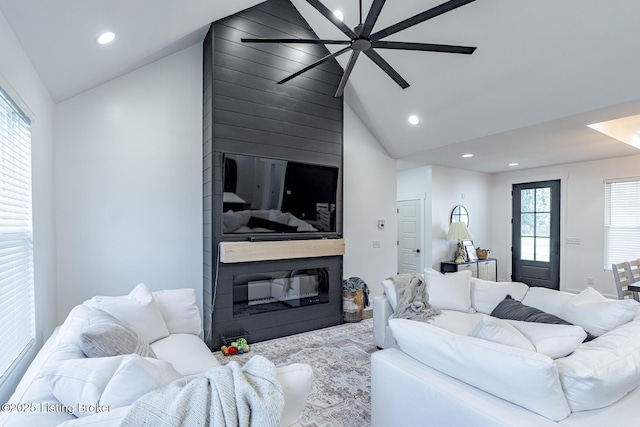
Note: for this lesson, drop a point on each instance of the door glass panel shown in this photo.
(535, 224)
(528, 199)
(543, 224)
(543, 199)
(527, 225)
(527, 248)
(542, 249)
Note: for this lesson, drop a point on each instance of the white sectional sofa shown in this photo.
(64, 387)
(465, 367)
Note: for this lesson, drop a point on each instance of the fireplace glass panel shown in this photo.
(279, 290)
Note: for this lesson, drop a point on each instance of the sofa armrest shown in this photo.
(382, 311)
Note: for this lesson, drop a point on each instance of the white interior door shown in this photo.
(409, 221)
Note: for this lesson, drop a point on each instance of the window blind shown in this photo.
(17, 313)
(621, 221)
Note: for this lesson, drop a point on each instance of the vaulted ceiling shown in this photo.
(543, 69)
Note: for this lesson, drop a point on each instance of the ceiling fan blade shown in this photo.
(372, 17)
(347, 72)
(410, 22)
(427, 47)
(373, 55)
(310, 41)
(333, 18)
(318, 62)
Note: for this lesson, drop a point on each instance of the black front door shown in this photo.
(536, 234)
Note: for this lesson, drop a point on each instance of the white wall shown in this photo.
(453, 187)
(129, 183)
(20, 80)
(583, 216)
(445, 188)
(369, 195)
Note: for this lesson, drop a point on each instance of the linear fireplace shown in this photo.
(279, 290)
(271, 299)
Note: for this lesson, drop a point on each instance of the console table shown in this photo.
(485, 269)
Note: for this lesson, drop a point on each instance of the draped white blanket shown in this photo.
(227, 395)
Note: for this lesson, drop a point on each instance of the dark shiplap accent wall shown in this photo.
(247, 112)
(207, 177)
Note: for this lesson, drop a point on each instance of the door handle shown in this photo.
(417, 251)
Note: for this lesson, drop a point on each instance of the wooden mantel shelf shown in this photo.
(232, 252)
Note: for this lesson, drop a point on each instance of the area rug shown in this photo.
(341, 360)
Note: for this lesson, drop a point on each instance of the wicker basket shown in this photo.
(352, 306)
(482, 253)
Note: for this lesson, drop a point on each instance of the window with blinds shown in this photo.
(17, 313)
(621, 221)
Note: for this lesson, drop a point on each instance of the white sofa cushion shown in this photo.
(187, 353)
(79, 383)
(103, 419)
(91, 385)
(486, 365)
(497, 330)
(602, 371)
(179, 310)
(485, 295)
(138, 311)
(597, 314)
(135, 377)
(449, 292)
(553, 340)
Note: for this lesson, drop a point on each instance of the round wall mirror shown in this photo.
(460, 214)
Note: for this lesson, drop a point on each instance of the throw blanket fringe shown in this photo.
(229, 395)
(413, 298)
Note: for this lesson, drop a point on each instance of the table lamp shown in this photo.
(459, 231)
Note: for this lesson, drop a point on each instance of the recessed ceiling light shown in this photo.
(414, 120)
(106, 37)
(514, 164)
(467, 155)
(339, 14)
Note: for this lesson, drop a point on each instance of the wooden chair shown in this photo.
(634, 270)
(622, 273)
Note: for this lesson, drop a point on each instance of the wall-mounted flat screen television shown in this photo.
(267, 195)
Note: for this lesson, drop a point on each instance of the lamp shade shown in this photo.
(458, 231)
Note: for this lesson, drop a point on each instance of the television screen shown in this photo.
(266, 195)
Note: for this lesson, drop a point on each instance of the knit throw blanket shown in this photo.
(412, 297)
(227, 395)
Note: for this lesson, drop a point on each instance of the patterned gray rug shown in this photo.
(340, 358)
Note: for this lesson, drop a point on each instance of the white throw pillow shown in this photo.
(138, 311)
(77, 382)
(179, 310)
(497, 330)
(486, 295)
(548, 300)
(135, 377)
(597, 314)
(449, 292)
(553, 340)
(602, 371)
(390, 291)
(525, 378)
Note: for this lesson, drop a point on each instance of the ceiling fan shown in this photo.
(362, 40)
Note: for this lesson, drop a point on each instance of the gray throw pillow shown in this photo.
(104, 336)
(514, 310)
